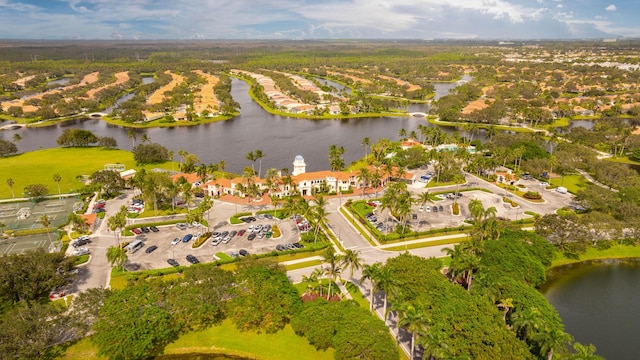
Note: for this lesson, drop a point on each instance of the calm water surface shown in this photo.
(598, 304)
(279, 138)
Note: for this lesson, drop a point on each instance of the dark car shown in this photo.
(233, 233)
(280, 248)
(241, 232)
(173, 262)
(243, 252)
(297, 245)
(81, 241)
(251, 236)
(440, 208)
(187, 237)
(192, 259)
(150, 249)
(154, 229)
(224, 234)
(145, 229)
(98, 210)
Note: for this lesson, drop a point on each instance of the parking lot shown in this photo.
(140, 260)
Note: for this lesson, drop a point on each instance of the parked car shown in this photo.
(192, 259)
(440, 208)
(81, 241)
(241, 232)
(154, 229)
(187, 237)
(435, 209)
(257, 228)
(216, 241)
(243, 252)
(80, 251)
(251, 236)
(175, 241)
(173, 262)
(145, 229)
(136, 231)
(151, 249)
(233, 233)
(98, 210)
(181, 226)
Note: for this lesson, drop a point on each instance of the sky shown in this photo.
(318, 19)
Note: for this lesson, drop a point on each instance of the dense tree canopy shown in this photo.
(7, 148)
(150, 153)
(77, 137)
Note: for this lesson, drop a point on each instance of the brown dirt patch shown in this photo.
(412, 87)
(474, 106)
(206, 99)
(121, 78)
(158, 96)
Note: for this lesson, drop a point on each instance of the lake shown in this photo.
(280, 138)
(598, 303)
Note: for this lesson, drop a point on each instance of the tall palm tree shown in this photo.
(550, 340)
(57, 178)
(10, 184)
(251, 156)
(424, 198)
(402, 134)
(132, 135)
(46, 222)
(170, 154)
(116, 256)
(363, 178)
(370, 272)
(526, 321)
(145, 138)
(414, 321)
(385, 282)
(259, 155)
(351, 259)
(333, 269)
(585, 352)
(366, 142)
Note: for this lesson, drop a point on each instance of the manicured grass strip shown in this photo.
(357, 295)
(622, 160)
(427, 244)
(81, 260)
(614, 252)
(284, 345)
(223, 256)
(38, 167)
(302, 265)
(298, 255)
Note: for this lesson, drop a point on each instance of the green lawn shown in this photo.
(614, 252)
(226, 339)
(39, 167)
(573, 182)
(356, 294)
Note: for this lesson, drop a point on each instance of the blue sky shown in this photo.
(318, 19)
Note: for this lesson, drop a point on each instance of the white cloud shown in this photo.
(611, 8)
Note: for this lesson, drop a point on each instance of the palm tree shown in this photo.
(10, 184)
(370, 272)
(506, 305)
(491, 131)
(335, 157)
(145, 138)
(414, 321)
(424, 198)
(333, 270)
(132, 135)
(550, 340)
(385, 282)
(57, 178)
(526, 321)
(251, 156)
(259, 155)
(116, 256)
(77, 221)
(170, 154)
(363, 177)
(366, 142)
(585, 352)
(352, 260)
(46, 222)
(402, 134)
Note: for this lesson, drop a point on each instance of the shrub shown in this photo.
(276, 232)
(455, 209)
(534, 195)
(201, 240)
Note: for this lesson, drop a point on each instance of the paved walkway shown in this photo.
(590, 178)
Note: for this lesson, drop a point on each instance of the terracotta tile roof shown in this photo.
(89, 219)
(191, 178)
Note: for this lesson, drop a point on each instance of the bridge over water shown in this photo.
(13, 126)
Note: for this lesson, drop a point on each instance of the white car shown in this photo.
(421, 209)
(175, 241)
(80, 251)
(250, 229)
(544, 184)
(427, 209)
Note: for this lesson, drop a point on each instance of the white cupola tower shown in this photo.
(299, 167)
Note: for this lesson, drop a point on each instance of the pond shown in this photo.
(598, 303)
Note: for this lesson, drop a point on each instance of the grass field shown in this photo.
(38, 167)
(226, 339)
(614, 252)
(573, 182)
